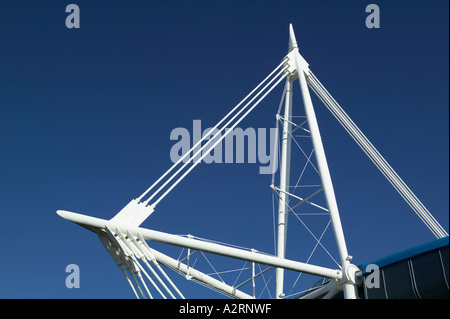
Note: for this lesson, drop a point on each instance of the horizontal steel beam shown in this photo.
(95, 224)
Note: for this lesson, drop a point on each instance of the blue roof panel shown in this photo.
(408, 253)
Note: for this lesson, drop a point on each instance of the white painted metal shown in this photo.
(279, 77)
(232, 252)
(195, 148)
(303, 200)
(125, 241)
(194, 274)
(134, 213)
(373, 154)
(349, 289)
(95, 224)
(283, 207)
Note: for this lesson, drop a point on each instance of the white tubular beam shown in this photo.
(283, 208)
(149, 279)
(131, 272)
(349, 289)
(148, 255)
(129, 282)
(232, 252)
(137, 253)
(253, 280)
(171, 283)
(138, 272)
(152, 235)
(323, 167)
(253, 275)
(117, 258)
(158, 278)
(200, 276)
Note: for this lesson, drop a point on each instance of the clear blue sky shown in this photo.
(86, 114)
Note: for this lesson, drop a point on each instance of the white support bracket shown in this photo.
(134, 213)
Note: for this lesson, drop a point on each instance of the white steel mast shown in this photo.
(283, 207)
(298, 63)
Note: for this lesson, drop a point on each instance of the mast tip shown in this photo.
(292, 40)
